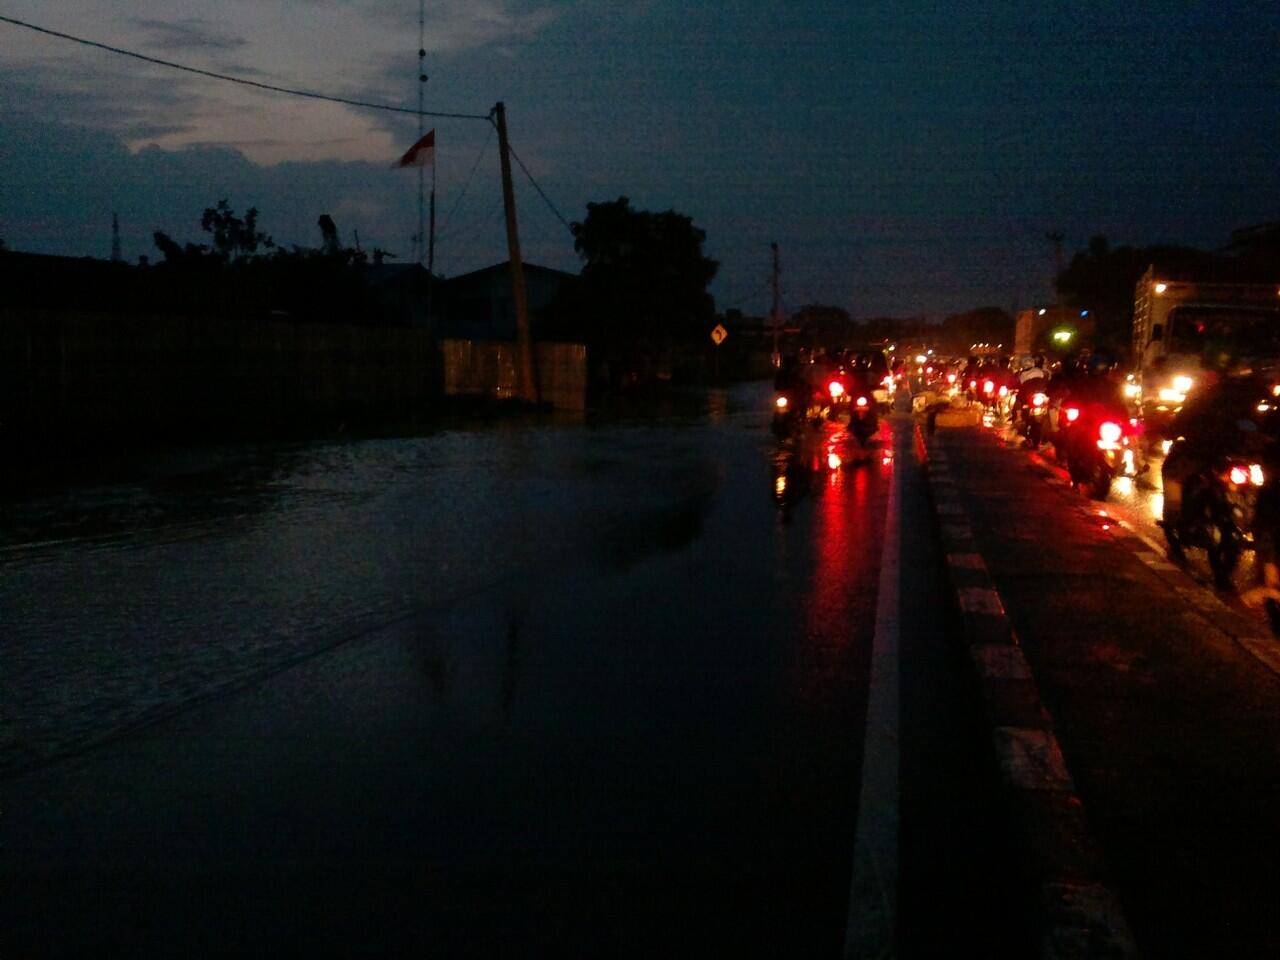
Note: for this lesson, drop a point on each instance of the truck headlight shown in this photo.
(1183, 384)
(1171, 396)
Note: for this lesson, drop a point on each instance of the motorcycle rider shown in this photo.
(1032, 379)
(1209, 426)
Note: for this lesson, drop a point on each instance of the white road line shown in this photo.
(873, 892)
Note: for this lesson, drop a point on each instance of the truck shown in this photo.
(1187, 322)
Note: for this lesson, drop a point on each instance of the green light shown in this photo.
(1062, 336)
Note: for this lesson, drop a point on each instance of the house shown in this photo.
(478, 305)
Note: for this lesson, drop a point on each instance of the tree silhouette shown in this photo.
(644, 274)
(234, 238)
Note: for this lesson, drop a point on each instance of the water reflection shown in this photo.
(821, 459)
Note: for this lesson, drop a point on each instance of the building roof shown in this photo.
(505, 265)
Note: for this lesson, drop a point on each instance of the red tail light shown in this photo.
(1039, 400)
(951, 378)
(1110, 432)
(1004, 391)
(1240, 474)
(1072, 414)
(988, 386)
(836, 388)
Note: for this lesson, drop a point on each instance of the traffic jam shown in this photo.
(1176, 441)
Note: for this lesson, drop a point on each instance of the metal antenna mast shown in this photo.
(422, 86)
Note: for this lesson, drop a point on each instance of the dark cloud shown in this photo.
(192, 33)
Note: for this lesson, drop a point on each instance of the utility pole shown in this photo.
(526, 380)
(777, 310)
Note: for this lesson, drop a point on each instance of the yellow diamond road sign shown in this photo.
(718, 333)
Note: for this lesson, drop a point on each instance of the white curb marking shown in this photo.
(1032, 759)
(980, 600)
(1001, 661)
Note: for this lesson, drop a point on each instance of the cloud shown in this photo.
(63, 182)
(188, 34)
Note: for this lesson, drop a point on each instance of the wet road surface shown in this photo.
(592, 690)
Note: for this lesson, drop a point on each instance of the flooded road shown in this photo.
(516, 688)
(124, 603)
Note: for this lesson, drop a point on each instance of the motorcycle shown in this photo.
(1031, 411)
(1099, 445)
(794, 408)
(1215, 511)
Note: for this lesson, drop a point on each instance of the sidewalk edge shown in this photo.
(1080, 914)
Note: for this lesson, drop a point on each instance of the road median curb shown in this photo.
(1080, 915)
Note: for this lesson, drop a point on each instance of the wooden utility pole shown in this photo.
(526, 380)
(777, 310)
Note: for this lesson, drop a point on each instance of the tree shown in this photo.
(234, 238)
(644, 277)
(1101, 278)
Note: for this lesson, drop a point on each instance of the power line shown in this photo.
(309, 94)
(448, 217)
(545, 198)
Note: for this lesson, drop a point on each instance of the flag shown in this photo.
(420, 154)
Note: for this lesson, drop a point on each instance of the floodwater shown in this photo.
(526, 684)
(122, 603)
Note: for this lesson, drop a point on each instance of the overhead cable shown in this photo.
(309, 94)
(541, 193)
(448, 217)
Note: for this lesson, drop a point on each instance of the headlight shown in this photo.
(1171, 396)
(782, 403)
(1183, 384)
(1132, 390)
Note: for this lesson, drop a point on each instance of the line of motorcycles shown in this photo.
(1092, 435)
(840, 394)
(1209, 501)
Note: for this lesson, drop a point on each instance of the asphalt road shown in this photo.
(1165, 697)
(641, 686)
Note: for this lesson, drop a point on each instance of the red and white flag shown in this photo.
(421, 154)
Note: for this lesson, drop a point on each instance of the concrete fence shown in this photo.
(488, 368)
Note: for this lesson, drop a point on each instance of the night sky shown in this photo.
(909, 157)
